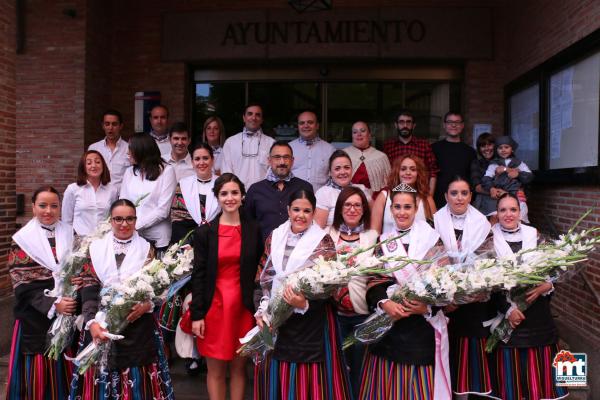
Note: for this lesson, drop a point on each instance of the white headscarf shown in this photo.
(475, 231)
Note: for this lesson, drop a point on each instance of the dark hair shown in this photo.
(453, 112)
(338, 154)
(204, 146)
(219, 122)
(281, 143)
(247, 106)
(114, 113)
(42, 189)
(82, 175)
(313, 112)
(146, 156)
(303, 194)
(121, 202)
(405, 112)
(411, 194)
(226, 178)
(458, 178)
(346, 193)
(504, 196)
(179, 127)
(483, 139)
(159, 106)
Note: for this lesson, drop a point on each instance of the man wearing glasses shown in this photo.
(407, 143)
(312, 153)
(266, 201)
(453, 156)
(245, 154)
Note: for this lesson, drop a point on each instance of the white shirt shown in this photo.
(183, 168)
(311, 163)
(327, 197)
(84, 208)
(116, 159)
(153, 222)
(250, 169)
(217, 158)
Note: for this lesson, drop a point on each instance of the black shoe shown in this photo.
(193, 367)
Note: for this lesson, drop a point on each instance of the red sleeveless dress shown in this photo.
(227, 319)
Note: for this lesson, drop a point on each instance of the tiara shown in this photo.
(403, 187)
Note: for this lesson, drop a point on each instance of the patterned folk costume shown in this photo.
(523, 366)
(466, 234)
(307, 362)
(403, 364)
(33, 262)
(137, 368)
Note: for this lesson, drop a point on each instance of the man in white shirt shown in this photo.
(311, 152)
(179, 157)
(113, 148)
(246, 153)
(159, 120)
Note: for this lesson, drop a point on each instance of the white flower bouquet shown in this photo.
(318, 280)
(554, 262)
(436, 283)
(60, 334)
(116, 301)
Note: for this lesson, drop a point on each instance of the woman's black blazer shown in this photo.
(204, 275)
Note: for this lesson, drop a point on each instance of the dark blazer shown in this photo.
(204, 275)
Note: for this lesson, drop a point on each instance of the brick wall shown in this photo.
(7, 137)
(538, 30)
(50, 96)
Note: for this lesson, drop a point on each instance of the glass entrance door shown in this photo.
(339, 103)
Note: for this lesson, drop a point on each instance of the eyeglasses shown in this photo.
(356, 206)
(279, 157)
(250, 154)
(449, 122)
(128, 220)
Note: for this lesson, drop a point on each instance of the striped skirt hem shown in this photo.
(469, 364)
(387, 380)
(34, 376)
(525, 373)
(327, 380)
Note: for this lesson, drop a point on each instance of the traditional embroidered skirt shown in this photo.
(469, 365)
(151, 381)
(525, 373)
(34, 376)
(327, 380)
(387, 380)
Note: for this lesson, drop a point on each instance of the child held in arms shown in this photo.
(507, 173)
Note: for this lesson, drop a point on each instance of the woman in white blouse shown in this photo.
(214, 135)
(153, 181)
(340, 176)
(87, 201)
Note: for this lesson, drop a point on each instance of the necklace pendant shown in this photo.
(362, 158)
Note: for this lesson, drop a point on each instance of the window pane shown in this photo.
(573, 114)
(348, 103)
(524, 124)
(282, 102)
(225, 100)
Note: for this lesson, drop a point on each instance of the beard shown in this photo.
(404, 132)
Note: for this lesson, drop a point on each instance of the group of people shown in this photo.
(260, 210)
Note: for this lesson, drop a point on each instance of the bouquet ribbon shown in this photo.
(494, 322)
(441, 383)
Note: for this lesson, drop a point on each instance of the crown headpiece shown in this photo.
(403, 187)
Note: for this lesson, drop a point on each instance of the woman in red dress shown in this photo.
(226, 256)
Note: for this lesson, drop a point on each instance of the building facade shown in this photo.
(64, 63)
